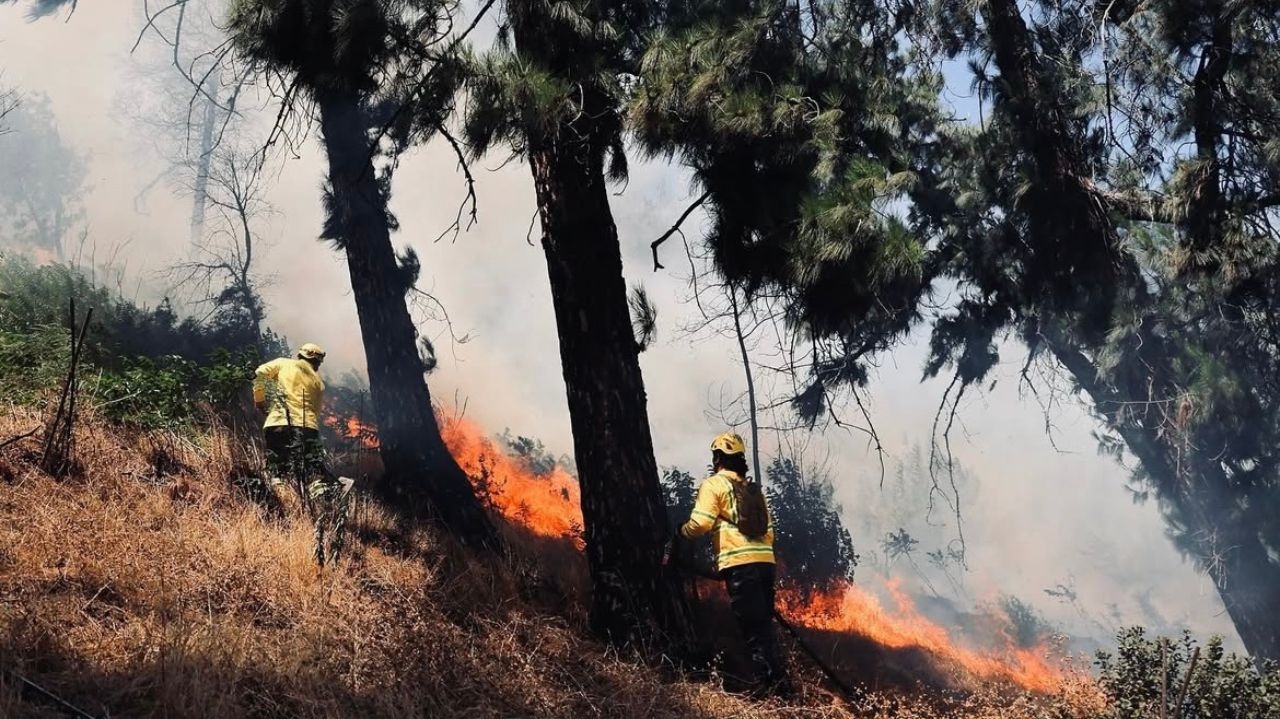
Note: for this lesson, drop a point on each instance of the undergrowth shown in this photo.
(136, 596)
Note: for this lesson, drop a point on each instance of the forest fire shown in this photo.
(849, 608)
(352, 429)
(547, 504)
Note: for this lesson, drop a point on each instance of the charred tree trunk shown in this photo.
(633, 602)
(1221, 523)
(418, 465)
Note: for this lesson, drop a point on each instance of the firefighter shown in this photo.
(733, 509)
(291, 431)
(292, 437)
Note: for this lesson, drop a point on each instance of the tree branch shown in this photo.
(675, 228)
(456, 227)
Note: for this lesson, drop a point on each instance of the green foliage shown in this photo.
(333, 45)
(150, 393)
(508, 100)
(560, 74)
(395, 58)
(41, 8)
(140, 365)
(644, 317)
(813, 544)
(169, 391)
(1114, 209)
(32, 361)
(39, 296)
(898, 544)
(1221, 685)
(800, 129)
(679, 489)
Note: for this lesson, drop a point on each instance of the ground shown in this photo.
(132, 595)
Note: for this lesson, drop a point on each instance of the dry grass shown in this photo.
(137, 597)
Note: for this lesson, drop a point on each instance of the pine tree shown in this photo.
(1116, 211)
(1131, 262)
(553, 92)
(359, 62)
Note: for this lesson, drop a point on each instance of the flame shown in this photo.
(849, 608)
(549, 506)
(351, 428)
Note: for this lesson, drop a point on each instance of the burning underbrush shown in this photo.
(130, 594)
(548, 506)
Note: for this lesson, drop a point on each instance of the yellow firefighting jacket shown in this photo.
(715, 510)
(298, 393)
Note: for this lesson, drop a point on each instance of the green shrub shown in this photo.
(1222, 685)
(170, 391)
(32, 362)
(141, 365)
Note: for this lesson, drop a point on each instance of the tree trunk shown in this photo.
(200, 194)
(751, 385)
(1222, 533)
(622, 506)
(1220, 523)
(418, 465)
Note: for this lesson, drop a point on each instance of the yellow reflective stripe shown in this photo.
(704, 514)
(763, 549)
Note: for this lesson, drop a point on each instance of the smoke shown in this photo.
(1036, 516)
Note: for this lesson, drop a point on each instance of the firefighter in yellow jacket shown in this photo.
(290, 392)
(733, 509)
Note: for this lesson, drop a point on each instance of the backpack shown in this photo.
(753, 515)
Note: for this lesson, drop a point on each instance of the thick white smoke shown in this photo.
(1037, 517)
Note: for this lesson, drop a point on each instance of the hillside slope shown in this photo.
(130, 595)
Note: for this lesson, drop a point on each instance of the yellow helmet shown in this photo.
(311, 351)
(729, 443)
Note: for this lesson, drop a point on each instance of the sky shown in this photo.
(1042, 510)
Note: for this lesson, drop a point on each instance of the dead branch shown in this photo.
(746, 368)
(528, 235)
(59, 436)
(426, 78)
(1186, 683)
(845, 688)
(8, 103)
(874, 434)
(20, 437)
(29, 688)
(935, 490)
(456, 227)
(676, 228)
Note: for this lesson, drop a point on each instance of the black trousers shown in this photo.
(294, 452)
(751, 589)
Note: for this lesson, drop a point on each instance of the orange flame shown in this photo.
(353, 429)
(549, 506)
(850, 608)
